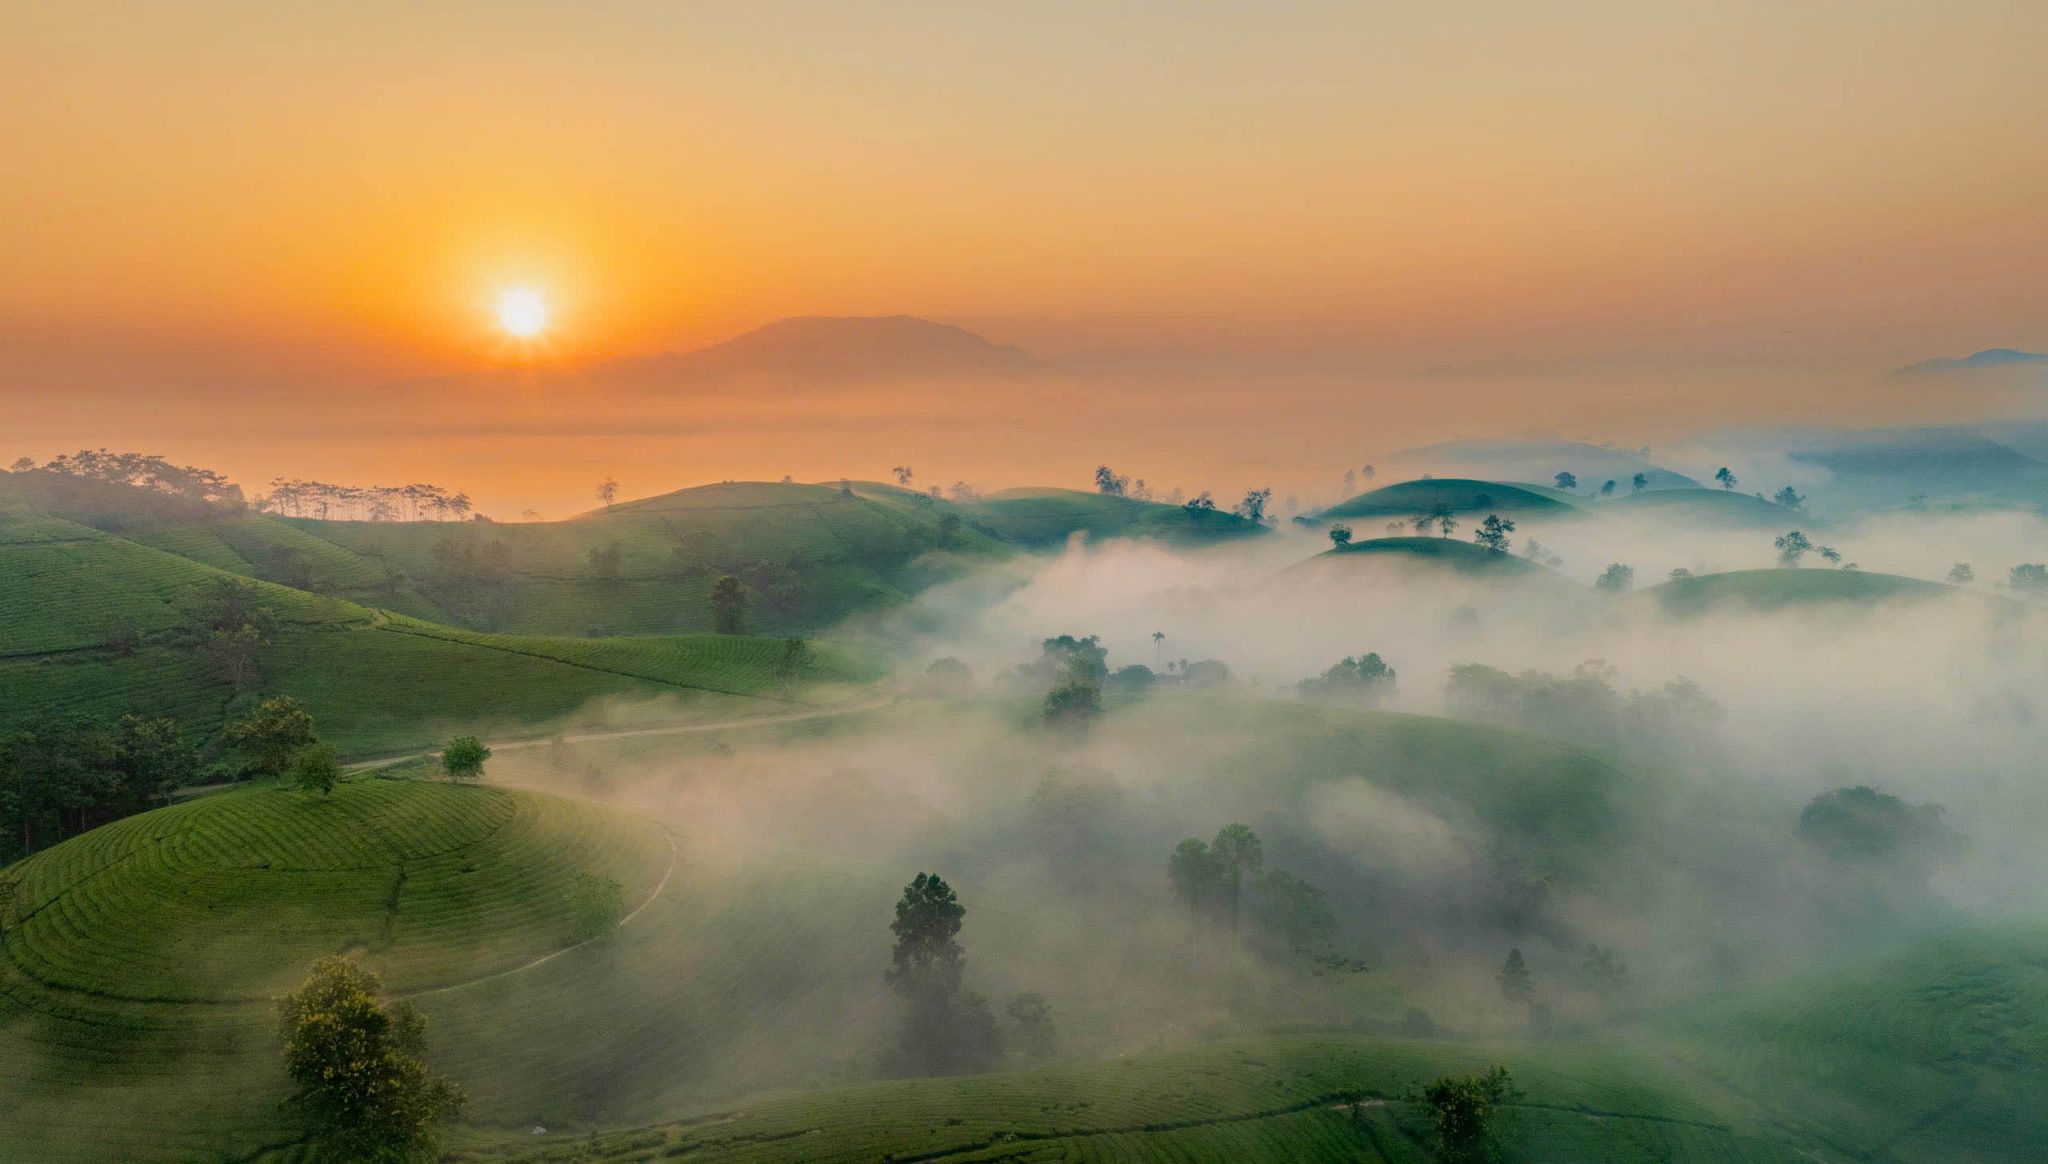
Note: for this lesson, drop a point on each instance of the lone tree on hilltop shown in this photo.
(2028, 578)
(1566, 480)
(1726, 477)
(1107, 481)
(1515, 984)
(463, 759)
(1961, 574)
(1340, 535)
(1253, 507)
(903, 475)
(277, 728)
(607, 491)
(1638, 483)
(1493, 533)
(358, 1071)
(728, 606)
(1607, 487)
(1616, 579)
(1792, 546)
(1790, 498)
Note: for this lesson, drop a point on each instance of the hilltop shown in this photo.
(1047, 517)
(1535, 460)
(1458, 495)
(1720, 508)
(1465, 556)
(1776, 589)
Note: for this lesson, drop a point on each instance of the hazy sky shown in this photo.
(210, 198)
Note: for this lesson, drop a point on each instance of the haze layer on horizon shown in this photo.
(249, 235)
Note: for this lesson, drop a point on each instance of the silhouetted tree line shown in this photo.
(144, 471)
(420, 502)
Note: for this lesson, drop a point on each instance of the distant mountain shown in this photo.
(824, 348)
(1923, 451)
(1538, 460)
(1988, 358)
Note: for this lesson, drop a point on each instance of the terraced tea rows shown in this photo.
(140, 958)
(1278, 1098)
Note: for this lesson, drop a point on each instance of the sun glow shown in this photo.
(522, 312)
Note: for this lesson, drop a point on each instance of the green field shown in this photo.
(1710, 508)
(1458, 495)
(1048, 517)
(141, 958)
(1466, 556)
(1779, 589)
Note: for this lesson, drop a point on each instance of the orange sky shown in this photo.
(206, 199)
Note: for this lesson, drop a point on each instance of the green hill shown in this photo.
(1534, 460)
(1458, 495)
(1048, 517)
(1722, 508)
(1278, 1098)
(140, 959)
(1464, 556)
(1777, 589)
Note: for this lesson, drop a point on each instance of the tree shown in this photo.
(1790, 499)
(1368, 472)
(152, 759)
(1679, 574)
(942, 1032)
(273, 732)
(1035, 1036)
(358, 1068)
(1367, 677)
(1961, 574)
(1107, 481)
(1514, 980)
(1493, 533)
(1830, 555)
(1464, 1111)
(1067, 659)
(1445, 523)
(1725, 477)
(1200, 506)
(1863, 826)
(607, 491)
(1197, 876)
(1158, 644)
(728, 606)
(1638, 483)
(903, 474)
(1253, 507)
(1350, 482)
(791, 661)
(1792, 546)
(1291, 916)
(2030, 578)
(604, 562)
(1566, 480)
(23, 465)
(463, 759)
(1237, 852)
(314, 769)
(1340, 535)
(1607, 488)
(1616, 579)
(1074, 703)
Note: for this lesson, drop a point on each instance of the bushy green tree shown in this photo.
(1465, 1112)
(1566, 480)
(1792, 546)
(1638, 483)
(463, 758)
(1073, 704)
(1514, 980)
(273, 732)
(1365, 677)
(1340, 535)
(1616, 579)
(1493, 533)
(943, 1033)
(1238, 853)
(728, 606)
(358, 1069)
(1197, 876)
(314, 769)
(1725, 477)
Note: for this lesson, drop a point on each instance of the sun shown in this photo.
(522, 312)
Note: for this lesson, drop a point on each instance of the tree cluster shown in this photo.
(150, 472)
(1584, 705)
(1365, 678)
(292, 497)
(63, 774)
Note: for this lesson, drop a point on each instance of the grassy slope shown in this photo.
(1277, 1098)
(1460, 495)
(1045, 517)
(1712, 507)
(1461, 555)
(140, 959)
(1776, 589)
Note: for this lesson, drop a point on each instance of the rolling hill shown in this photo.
(1464, 556)
(1534, 460)
(1457, 494)
(1715, 508)
(140, 960)
(1048, 517)
(1778, 589)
